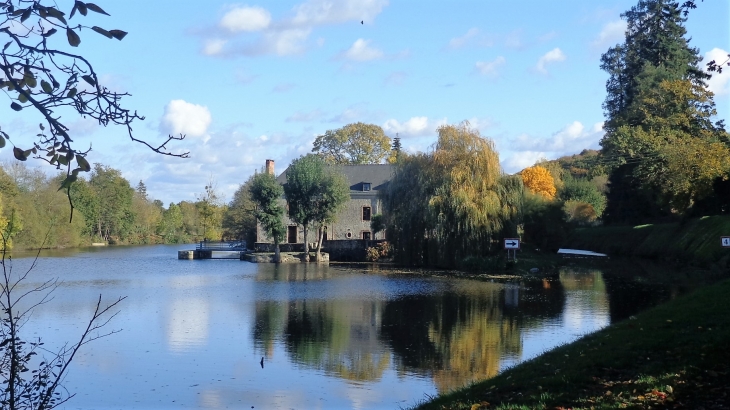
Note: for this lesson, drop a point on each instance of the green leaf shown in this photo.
(62, 160)
(71, 93)
(2, 142)
(16, 106)
(41, 126)
(102, 31)
(68, 181)
(26, 15)
(19, 154)
(89, 79)
(69, 156)
(83, 164)
(28, 152)
(50, 32)
(22, 98)
(118, 34)
(30, 80)
(73, 39)
(57, 14)
(81, 7)
(46, 86)
(7, 45)
(94, 7)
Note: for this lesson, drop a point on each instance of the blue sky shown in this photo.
(260, 80)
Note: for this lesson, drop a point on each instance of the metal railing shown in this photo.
(221, 246)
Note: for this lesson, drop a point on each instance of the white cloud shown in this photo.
(302, 116)
(321, 12)
(362, 51)
(214, 46)
(396, 78)
(413, 127)
(719, 83)
(612, 33)
(246, 19)
(574, 137)
(521, 160)
(490, 68)
(458, 42)
(285, 36)
(552, 56)
(182, 117)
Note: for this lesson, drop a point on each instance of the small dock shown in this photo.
(578, 253)
(215, 250)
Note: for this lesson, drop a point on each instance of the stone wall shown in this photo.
(349, 223)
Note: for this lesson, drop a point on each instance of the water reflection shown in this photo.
(195, 331)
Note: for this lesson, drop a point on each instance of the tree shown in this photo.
(314, 194)
(356, 143)
(658, 118)
(395, 150)
(239, 219)
(112, 211)
(42, 388)
(266, 193)
(38, 73)
(539, 180)
(209, 209)
(583, 191)
(458, 200)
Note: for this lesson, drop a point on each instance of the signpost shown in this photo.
(511, 244)
(725, 241)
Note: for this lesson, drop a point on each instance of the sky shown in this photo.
(246, 82)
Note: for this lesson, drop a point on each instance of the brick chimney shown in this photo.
(270, 167)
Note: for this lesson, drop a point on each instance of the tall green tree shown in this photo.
(314, 193)
(266, 193)
(357, 143)
(239, 219)
(657, 112)
(210, 211)
(114, 193)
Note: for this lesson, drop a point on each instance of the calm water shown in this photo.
(194, 332)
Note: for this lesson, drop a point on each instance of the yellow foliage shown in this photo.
(539, 180)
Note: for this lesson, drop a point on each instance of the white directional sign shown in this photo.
(725, 241)
(511, 243)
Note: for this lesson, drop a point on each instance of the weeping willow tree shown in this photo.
(459, 201)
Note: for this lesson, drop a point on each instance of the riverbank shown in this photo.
(675, 355)
(692, 242)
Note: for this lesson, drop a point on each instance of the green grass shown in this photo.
(695, 241)
(676, 355)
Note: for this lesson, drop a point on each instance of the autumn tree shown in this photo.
(239, 219)
(210, 211)
(314, 193)
(266, 194)
(539, 180)
(458, 200)
(356, 143)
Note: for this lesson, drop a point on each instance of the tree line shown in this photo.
(106, 208)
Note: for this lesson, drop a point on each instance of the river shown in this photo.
(193, 332)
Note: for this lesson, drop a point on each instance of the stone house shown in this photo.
(353, 221)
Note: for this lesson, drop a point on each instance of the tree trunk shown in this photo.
(306, 244)
(277, 252)
(319, 243)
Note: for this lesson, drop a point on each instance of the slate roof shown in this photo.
(378, 175)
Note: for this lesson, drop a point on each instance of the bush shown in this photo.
(483, 263)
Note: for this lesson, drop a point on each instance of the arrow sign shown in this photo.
(725, 241)
(511, 243)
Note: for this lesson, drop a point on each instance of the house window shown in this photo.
(365, 213)
(366, 186)
(366, 235)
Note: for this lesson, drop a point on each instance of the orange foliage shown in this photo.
(538, 180)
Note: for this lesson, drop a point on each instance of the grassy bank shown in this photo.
(696, 241)
(673, 356)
